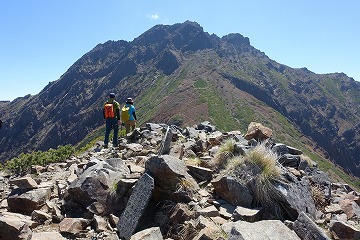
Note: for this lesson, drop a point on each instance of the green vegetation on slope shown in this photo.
(151, 98)
(219, 114)
(24, 161)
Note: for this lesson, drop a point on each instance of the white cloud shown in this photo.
(154, 16)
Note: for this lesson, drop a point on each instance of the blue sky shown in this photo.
(41, 39)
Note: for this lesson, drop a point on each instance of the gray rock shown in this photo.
(246, 214)
(135, 207)
(200, 173)
(95, 187)
(320, 178)
(226, 210)
(305, 228)
(295, 197)
(191, 133)
(206, 126)
(269, 229)
(289, 160)
(172, 181)
(294, 151)
(303, 165)
(154, 127)
(280, 149)
(165, 145)
(153, 233)
(233, 191)
(240, 149)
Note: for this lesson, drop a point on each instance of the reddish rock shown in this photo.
(341, 231)
(258, 131)
(73, 225)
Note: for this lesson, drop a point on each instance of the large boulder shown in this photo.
(25, 201)
(135, 207)
(294, 196)
(172, 181)
(258, 131)
(233, 190)
(95, 189)
(342, 230)
(13, 227)
(307, 229)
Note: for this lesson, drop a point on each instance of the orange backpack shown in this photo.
(109, 110)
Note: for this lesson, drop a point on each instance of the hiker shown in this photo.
(111, 113)
(1, 123)
(128, 115)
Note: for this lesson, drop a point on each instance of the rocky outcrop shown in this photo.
(132, 192)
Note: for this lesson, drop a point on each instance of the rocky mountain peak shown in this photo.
(236, 39)
(187, 36)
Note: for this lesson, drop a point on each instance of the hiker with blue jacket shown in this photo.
(128, 115)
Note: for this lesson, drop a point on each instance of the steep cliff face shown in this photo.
(182, 74)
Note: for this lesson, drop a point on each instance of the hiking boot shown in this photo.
(115, 145)
(105, 146)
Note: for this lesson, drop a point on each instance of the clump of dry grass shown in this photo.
(225, 152)
(265, 160)
(318, 196)
(183, 231)
(234, 163)
(186, 186)
(265, 163)
(195, 161)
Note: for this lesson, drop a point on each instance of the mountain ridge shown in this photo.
(324, 107)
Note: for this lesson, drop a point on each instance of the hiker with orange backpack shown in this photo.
(128, 115)
(111, 113)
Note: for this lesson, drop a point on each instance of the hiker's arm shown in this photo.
(104, 113)
(134, 114)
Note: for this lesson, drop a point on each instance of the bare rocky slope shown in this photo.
(164, 182)
(181, 74)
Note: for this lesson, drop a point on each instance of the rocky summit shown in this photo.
(166, 182)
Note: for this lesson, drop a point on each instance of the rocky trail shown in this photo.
(163, 182)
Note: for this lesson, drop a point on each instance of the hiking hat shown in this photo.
(129, 100)
(112, 95)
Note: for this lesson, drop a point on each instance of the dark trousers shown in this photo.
(111, 123)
